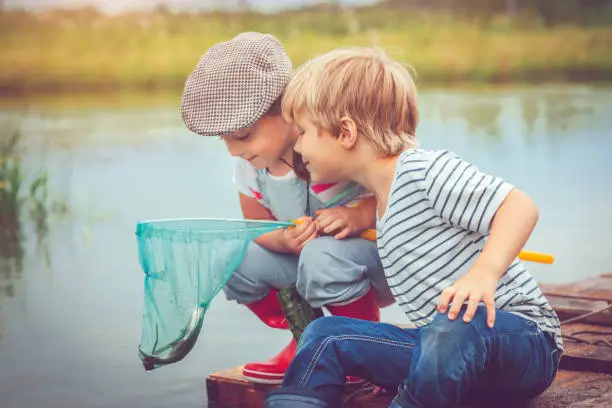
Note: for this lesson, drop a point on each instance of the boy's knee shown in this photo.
(441, 322)
(327, 273)
(315, 253)
(444, 329)
(445, 342)
(323, 328)
(316, 273)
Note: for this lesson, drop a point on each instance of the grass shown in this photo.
(86, 50)
(19, 193)
(24, 203)
(11, 177)
(11, 202)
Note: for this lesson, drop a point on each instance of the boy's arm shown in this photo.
(511, 227)
(280, 240)
(348, 221)
(467, 198)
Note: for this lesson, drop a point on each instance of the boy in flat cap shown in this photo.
(234, 93)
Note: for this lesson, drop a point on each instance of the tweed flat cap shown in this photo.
(234, 84)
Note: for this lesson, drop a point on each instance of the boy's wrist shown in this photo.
(355, 219)
(283, 243)
(274, 241)
(363, 218)
(489, 266)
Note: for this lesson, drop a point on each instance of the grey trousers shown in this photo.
(327, 272)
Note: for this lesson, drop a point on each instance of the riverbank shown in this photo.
(83, 50)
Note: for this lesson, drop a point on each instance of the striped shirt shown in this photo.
(438, 215)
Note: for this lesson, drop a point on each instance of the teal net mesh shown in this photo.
(186, 263)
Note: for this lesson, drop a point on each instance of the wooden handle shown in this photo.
(529, 256)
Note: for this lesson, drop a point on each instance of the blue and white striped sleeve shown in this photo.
(463, 195)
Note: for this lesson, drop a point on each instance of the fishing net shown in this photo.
(186, 263)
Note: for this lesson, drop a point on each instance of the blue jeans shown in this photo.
(444, 364)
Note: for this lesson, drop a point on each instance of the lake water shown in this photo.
(70, 311)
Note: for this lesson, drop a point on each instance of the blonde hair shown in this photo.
(362, 83)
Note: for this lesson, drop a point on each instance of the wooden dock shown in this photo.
(584, 379)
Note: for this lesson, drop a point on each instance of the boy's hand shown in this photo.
(341, 222)
(478, 285)
(296, 238)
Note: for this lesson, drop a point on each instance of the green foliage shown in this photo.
(87, 50)
(19, 192)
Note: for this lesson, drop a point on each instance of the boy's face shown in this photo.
(321, 152)
(263, 143)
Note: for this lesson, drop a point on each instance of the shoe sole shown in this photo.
(273, 378)
(260, 380)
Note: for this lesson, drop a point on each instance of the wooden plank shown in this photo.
(596, 288)
(576, 389)
(584, 357)
(230, 389)
(573, 328)
(569, 307)
(596, 356)
(570, 389)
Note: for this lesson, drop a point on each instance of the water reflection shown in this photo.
(546, 112)
(24, 204)
(11, 249)
(11, 256)
(530, 113)
(482, 116)
(567, 113)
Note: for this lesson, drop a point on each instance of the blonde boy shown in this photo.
(448, 237)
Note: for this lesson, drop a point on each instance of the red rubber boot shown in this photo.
(270, 371)
(364, 308)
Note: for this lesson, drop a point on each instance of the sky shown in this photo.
(113, 6)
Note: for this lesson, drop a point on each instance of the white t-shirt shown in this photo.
(285, 196)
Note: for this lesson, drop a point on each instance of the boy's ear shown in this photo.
(348, 133)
